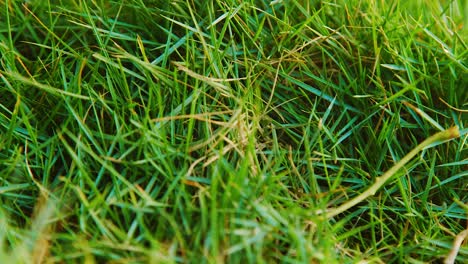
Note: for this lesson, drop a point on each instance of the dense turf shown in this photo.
(217, 131)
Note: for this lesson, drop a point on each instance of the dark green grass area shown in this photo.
(214, 131)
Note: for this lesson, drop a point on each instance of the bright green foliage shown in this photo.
(213, 131)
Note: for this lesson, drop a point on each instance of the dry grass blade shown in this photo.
(450, 259)
(448, 134)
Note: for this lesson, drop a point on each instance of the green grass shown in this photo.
(217, 131)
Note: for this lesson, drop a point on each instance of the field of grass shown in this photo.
(226, 131)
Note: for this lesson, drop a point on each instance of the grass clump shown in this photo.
(217, 131)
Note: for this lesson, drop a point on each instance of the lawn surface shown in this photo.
(226, 131)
